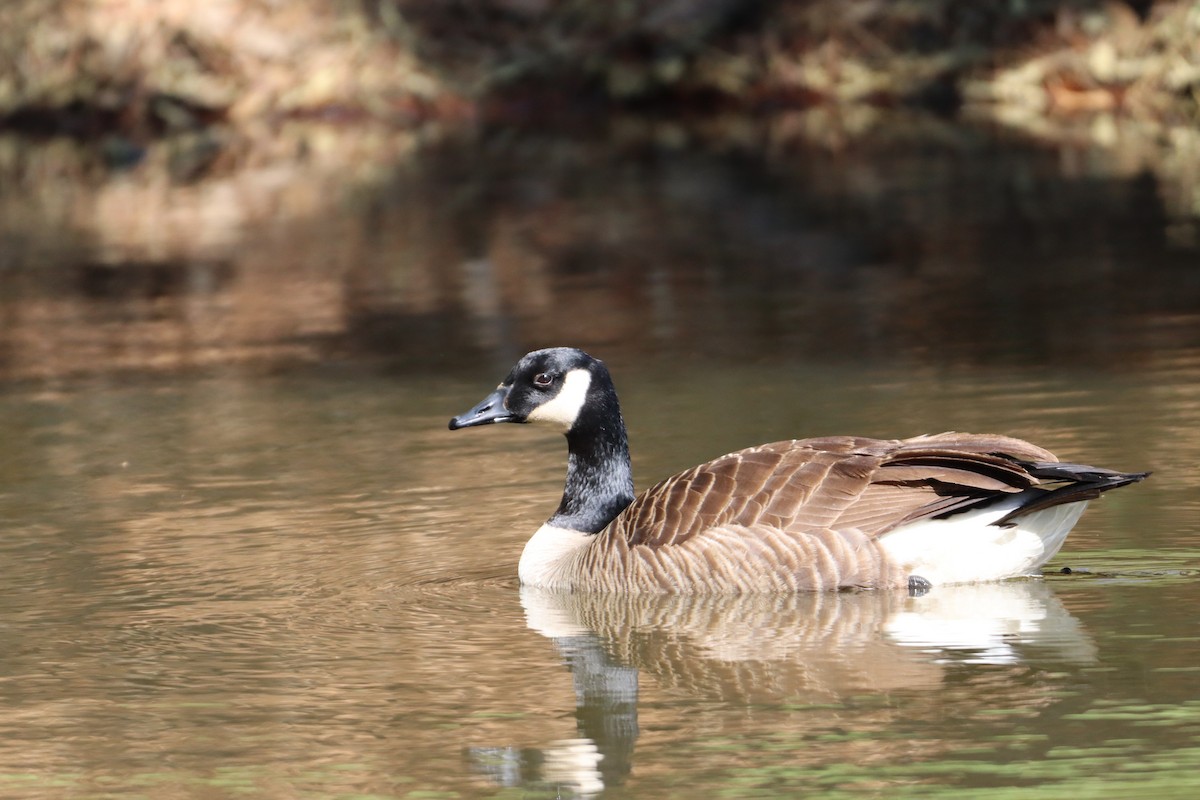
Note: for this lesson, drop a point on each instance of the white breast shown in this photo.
(549, 555)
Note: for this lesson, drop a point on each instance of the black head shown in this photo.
(554, 386)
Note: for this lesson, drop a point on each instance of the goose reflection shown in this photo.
(798, 649)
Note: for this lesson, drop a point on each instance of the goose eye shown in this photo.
(543, 379)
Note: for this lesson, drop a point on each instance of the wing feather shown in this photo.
(832, 482)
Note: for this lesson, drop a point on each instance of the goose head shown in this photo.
(569, 391)
(560, 387)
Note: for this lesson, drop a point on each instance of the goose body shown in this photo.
(802, 515)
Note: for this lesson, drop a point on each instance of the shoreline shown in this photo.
(147, 69)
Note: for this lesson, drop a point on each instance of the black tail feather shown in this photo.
(1082, 483)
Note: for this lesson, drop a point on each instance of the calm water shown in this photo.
(223, 581)
(304, 586)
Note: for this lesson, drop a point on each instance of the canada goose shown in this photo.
(809, 514)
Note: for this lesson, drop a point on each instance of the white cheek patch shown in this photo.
(563, 409)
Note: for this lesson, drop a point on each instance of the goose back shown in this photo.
(836, 482)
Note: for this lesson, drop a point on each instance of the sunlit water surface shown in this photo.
(219, 580)
(304, 586)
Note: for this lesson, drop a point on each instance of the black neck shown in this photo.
(599, 476)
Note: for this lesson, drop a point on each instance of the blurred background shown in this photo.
(188, 186)
(254, 254)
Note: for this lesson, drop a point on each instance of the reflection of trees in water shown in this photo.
(986, 252)
(970, 249)
(971, 647)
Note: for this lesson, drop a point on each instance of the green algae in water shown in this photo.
(1129, 564)
(1077, 774)
(1015, 765)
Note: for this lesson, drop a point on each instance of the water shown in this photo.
(250, 560)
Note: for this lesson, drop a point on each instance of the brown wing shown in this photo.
(831, 483)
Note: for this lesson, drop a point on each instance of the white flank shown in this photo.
(966, 548)
(563, 409)
(547, 556)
